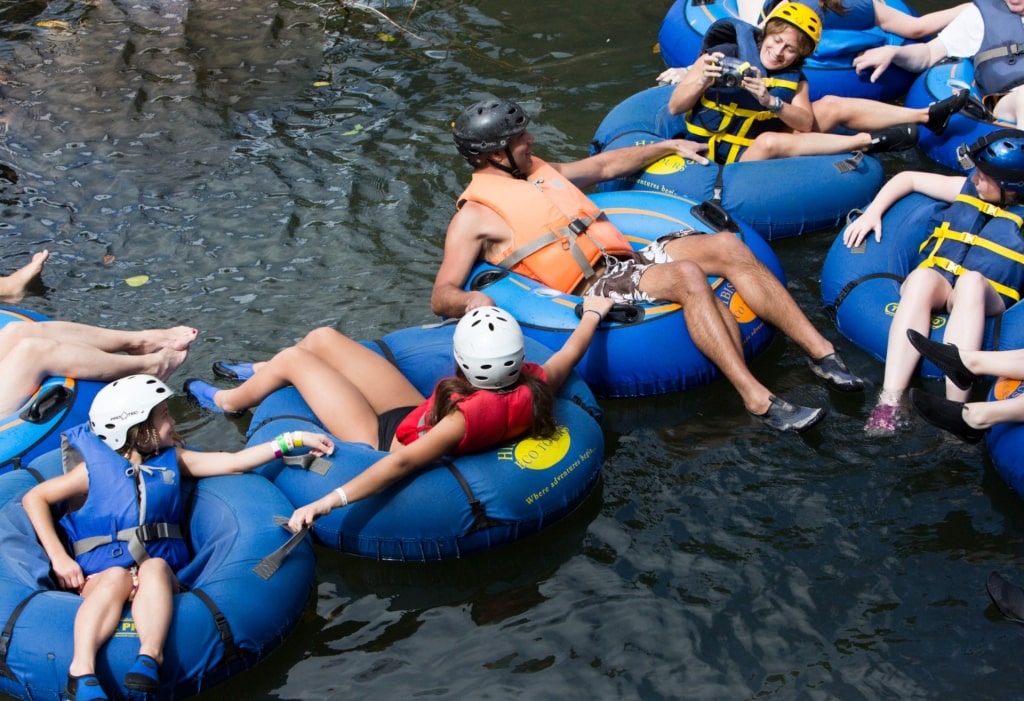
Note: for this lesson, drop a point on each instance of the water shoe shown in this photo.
(783, 416)
(897, 138)
(202, 394)
(946, 357)
(238, 372)
(947, 415)
(940, 112)
(833, 370)
(143, 675)
(85, 688)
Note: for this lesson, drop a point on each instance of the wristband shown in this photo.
(594, 311)
(297, 439)
(281, 446)
(340, 491)
(288, 440)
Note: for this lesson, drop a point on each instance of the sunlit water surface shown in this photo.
(273, 166)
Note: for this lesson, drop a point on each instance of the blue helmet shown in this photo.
(488, 126)
(1000, 156)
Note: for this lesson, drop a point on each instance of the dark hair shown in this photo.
(543, 426)
(143, 437)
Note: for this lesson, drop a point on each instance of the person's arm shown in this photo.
(907, 26)
(197, 463)
(37, 502)
(940, 187)
(463, 248)
(796, 114)
(915, 58)
(560, 364)
(440, 440)
(690, 89)
(624, 161)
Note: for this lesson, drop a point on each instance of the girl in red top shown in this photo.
(361, 397)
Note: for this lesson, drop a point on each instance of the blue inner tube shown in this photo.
(965, 127)
(229, 618)
(1005, 441)
(465, 503)
(778, 198)
(829, 69)
(649, 351)
(58, 404)
(861, 287)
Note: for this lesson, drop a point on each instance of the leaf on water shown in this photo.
(385, 37)
(354, 130)
(137, 280)
(321, 83)
(53, 24)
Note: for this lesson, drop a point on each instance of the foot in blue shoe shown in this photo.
(143, 676)
(202, 394)
(783, 416)
(238, 372)
(85, 688)
(833, 370)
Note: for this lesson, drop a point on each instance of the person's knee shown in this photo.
(33, 350)
(688, 278)
(828, 112)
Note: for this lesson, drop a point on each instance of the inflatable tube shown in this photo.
(861, 287)
(965, 127)
(58, 404)
(778, 198)
(465, 504)
(229, 617)
(829, 69)
(621, 361)
(1006, 441)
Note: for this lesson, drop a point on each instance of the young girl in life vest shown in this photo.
(127, 453)
(362, 397)
(971, 265)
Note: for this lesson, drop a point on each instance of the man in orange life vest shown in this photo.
(505, 216)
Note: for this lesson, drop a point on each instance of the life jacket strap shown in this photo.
(1013, 49)
(135, 536)
(564, 236)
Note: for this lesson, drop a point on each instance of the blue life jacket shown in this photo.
(996, 68)
(860, 14)
(132, 512)
(729, 118)
(976, 235)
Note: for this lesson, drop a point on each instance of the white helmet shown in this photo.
(125, 403)
(488, 345)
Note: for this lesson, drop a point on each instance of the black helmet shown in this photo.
(1000, 156)
(488, 126)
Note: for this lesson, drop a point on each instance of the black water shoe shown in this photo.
(940, 112)
(947, 415)
(897, 138)
(833, 370)
(783, 416)
(946, 357)
(237, 372)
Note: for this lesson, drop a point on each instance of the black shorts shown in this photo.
(387, 424)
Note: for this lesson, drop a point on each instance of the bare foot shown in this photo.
(166, 361)
(13, 286)
(178, 338)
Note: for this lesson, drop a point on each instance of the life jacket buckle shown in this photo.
(578, 226)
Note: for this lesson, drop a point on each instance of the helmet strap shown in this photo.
(512, 169)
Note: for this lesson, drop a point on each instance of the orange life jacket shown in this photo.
(558, 232)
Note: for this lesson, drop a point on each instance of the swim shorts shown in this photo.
(387, 424)
(621, 278)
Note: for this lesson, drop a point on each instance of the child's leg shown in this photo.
(103, 598)
(152, 606)
(972, 300)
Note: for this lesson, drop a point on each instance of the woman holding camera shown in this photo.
(746, 95)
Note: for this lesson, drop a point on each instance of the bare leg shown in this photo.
(152, 607)
(1008, 363)
(966, 326)
(108, 340)
(982, 415)
(32, 360)
(346, 384)
(13, 286)
(714, 334)
(922, 291)
(858, 114)
(1011, 108)
(770, 145)
(103, 599)
(724, 254)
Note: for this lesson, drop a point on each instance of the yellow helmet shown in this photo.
(800, 16)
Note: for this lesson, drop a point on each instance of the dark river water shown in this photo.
(272, 166)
